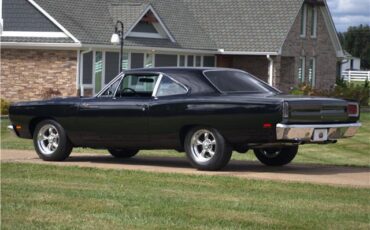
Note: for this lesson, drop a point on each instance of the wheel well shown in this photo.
(183, 131)
(35, 121)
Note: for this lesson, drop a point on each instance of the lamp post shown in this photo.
(117, 39)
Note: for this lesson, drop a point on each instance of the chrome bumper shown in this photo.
(297, 132)
(11, 129)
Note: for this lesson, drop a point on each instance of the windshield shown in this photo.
(230, 81)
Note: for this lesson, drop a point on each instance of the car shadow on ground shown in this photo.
(234, 166)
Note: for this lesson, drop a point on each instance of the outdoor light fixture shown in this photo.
(117, 39)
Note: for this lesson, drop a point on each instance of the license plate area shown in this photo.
(320, 135)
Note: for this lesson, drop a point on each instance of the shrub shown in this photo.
(4, 106)
(50, 93)
(359, 93)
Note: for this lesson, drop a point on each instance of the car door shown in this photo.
(118, 119)
(167, 113)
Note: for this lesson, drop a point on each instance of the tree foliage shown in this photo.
(356, 41)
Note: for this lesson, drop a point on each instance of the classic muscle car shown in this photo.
(206, 112)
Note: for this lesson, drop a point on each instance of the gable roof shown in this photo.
(149, 8)
(249, 26)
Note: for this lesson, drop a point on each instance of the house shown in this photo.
(65, 44)
(350, 63)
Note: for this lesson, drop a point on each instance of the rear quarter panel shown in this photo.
(238, 120)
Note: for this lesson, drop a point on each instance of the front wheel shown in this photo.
(51, 141)
(123, 153)
(207, 149)
(276, 156)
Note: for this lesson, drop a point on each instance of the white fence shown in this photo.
(356, 75)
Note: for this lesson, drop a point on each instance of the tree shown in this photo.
(356, 41)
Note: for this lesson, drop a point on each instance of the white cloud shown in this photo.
(349, 13)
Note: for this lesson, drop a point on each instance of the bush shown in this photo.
(359, 93)
(50, 93)
(4, 107)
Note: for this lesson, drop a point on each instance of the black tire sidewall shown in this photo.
(123, 153)
(64, 148)
(219, 160)
(286, 155)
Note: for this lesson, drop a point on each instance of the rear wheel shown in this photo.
(207, 149)
(123, 153)
(276, 156)
(51, 141)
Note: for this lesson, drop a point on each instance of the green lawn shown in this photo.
(44, 196)
(354, 151)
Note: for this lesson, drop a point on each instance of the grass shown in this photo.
(44, 196)
(349, 152)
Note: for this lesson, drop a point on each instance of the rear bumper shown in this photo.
(297, 132)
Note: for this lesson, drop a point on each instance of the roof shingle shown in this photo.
(232, 25)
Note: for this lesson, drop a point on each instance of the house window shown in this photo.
(190, 60)
(165, 60)
(198, 61)
(149, 60)
(98, 70)
(87, 63)
(181, 60)
(301, 69)
(313, 21)
(312, 72)
(209, 61)
(111, 66)
(137, 60)
(303, 20)
(125, 61)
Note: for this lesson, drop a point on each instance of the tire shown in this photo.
(123, 153)
(276, 156)
(51, 141)
(207, 149)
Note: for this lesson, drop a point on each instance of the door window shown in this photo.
(137, 86)
(111, 90)
(169, 87)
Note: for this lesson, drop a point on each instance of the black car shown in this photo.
(206, 112)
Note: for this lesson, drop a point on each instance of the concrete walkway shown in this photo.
(321, 174)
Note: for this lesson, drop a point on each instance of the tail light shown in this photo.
(353, 109)
(285, 110)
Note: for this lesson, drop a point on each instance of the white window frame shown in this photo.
(129, 33)
(302, 66)
(312, 81)
(303, 22)
(314, 22)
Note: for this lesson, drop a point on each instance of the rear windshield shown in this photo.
(237, 82)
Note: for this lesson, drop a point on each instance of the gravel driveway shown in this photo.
(321, 174)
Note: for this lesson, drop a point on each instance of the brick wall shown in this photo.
(256, 65)
(320, 48)
(27, 74)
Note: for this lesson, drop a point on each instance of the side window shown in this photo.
(112, 89)
(169, 87)
(137, 86)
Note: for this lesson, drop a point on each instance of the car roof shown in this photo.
(175, 69)
(192, 77)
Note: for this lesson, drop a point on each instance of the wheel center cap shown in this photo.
(207, 144)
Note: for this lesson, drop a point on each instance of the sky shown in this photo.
(349, 13)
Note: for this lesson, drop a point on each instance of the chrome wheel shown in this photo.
(270, 153)
(203, 145)
(48, 139)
